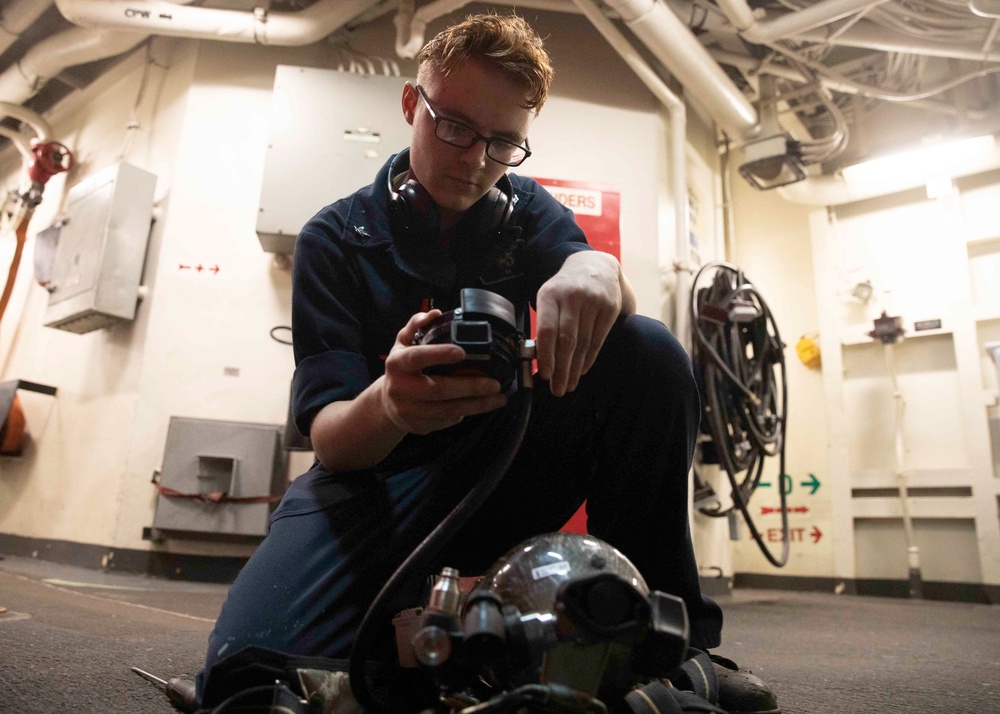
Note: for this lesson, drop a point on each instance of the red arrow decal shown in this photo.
(184, 267)
(215, 269)
(765, 510)
(816, 534)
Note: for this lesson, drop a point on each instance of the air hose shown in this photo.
(512, 422)
(739, 361)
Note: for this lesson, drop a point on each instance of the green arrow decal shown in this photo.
(812, 483)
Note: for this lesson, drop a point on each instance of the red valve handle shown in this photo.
(51, 158)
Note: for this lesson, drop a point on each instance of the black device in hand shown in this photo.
(485, 326)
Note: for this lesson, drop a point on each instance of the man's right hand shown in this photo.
(419, 403)
(360, 432)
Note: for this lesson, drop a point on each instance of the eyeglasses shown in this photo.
(463, 136)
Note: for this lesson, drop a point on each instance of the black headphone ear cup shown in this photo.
(496, 209)
(411, 209)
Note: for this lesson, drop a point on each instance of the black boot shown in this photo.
(741, 691)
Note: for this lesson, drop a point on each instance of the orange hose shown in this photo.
(22, 234)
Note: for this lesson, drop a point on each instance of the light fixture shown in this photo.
(773, 159)
(772, 162)
(923, 164)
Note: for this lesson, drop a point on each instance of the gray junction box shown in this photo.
(330, 133)
(202, 457)
(102, 249)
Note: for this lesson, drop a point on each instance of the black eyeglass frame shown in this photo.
(489, 140)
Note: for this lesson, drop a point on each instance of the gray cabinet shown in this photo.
(219, 478)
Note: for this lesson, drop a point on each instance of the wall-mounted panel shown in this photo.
(330, 133)
(949, 551)
(102, 249)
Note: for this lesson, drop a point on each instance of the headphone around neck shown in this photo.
(414, 213)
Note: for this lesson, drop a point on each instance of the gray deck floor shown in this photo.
(70, 635)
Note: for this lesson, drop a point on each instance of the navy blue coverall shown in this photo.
(623, 440)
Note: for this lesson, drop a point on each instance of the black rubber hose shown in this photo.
(737, 389)
(516, 415)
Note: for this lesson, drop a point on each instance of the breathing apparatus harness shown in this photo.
(740, 365)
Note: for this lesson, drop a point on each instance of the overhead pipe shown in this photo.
(755, 67)
(870, 36)
(156, 17)
(862, 35)
(33, 119)
(141, 18)
(673, 44)
(789, 24)
(411, 24)
(18, 16)
(20, 142)
(680, 264)
(48, 58)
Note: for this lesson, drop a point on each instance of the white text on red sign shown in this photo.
(584, 201)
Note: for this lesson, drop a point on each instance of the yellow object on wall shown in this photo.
(808, 352)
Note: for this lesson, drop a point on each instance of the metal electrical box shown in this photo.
(102, 248)
(218, 478)
(330, 133)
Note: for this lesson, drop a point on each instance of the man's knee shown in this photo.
(648, 350)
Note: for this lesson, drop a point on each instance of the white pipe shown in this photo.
(411, 25)
(680, 264)
(869, 36)
(156, 17)
(55, 53)
(899, 455)
(863, 35)
(20, 143)
(792, 23)
(684, 57)
(17, 17)
(755, 67)
(33, 119)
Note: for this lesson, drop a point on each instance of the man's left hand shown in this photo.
(576, 309)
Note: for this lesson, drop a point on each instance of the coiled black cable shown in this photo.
(739, 361)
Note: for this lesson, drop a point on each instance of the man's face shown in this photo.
(484, 99)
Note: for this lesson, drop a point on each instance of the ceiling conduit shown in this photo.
(672, 43)
(675, 262)
(866, 35)
(17, 17)
(156, 17)
(792, 23)
(131, 23)
(48, 58)
(753, 67)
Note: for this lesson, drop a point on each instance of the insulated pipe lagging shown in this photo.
(869, 36)
(678, 160)
(673, 44)
(18, 16)
(899, 460)
(55, 53)
(155, 17)
(43, 132)
(789, 24)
